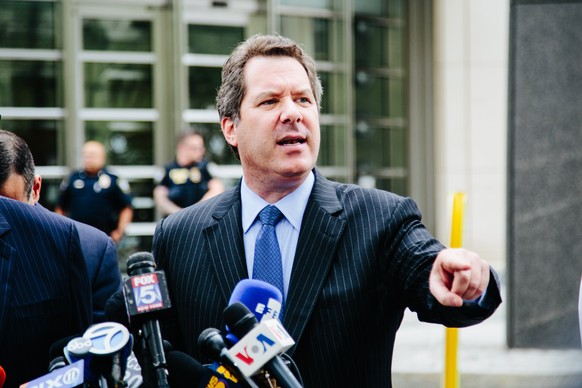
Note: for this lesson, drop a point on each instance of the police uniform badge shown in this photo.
(178, 175)
(195, 175)
(104, 181)
(78, 184)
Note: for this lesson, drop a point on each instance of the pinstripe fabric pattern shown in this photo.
(44, 288)
(363, 256)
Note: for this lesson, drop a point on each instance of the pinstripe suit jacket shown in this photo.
(363, 256)
(100, 254)
(45, 292)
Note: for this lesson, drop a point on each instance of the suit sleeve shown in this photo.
(414, 251)
(79, 285)
(107, 282)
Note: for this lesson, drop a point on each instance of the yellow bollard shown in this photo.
(451, 373)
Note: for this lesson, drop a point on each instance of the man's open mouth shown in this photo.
(291, 141)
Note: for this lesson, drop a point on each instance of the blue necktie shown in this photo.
(268, 266)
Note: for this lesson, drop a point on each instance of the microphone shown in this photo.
(259, 344)
(65, 377)
(57, 353)
(105, 349)
(146, 292)
(184, 371)
(262, 298)
(2, 376)
(212, 344)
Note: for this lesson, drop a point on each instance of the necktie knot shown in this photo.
(270, 215)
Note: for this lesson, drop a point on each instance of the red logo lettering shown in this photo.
(244, 357)
(144, 280)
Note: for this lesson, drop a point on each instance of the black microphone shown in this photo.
(213, 346)
(185, 372)
(57, 353)
(146, 292)
(260, 344)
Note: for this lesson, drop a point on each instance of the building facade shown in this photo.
(132, 73)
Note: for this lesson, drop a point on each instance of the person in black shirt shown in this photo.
(186, 180)
(96, 197)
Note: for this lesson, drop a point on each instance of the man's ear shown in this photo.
(228, 130)
(34, 198)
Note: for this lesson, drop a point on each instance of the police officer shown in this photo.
(96, 197)
(186, 179)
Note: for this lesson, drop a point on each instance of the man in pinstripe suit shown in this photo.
(353, 259)
(18, 181)
(45, 293)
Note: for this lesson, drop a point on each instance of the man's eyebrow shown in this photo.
(266, 93)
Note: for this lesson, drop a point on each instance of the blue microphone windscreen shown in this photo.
(262, 298)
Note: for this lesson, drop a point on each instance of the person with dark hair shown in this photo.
(18, 181)
(349, 260)
(45, 292)
(186, 180)
(96, 197)
(16, 167)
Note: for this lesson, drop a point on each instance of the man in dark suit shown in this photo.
(352, 259)
(18, 181)
(45, 293)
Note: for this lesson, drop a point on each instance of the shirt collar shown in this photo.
(292, 205)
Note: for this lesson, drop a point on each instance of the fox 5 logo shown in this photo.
(146, 291)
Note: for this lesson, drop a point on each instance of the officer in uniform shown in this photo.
(96, 197)
(186, 179)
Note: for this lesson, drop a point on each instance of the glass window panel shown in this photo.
(320, 4)
(393, 9)
(203, 84)
(29, 84)
(371, 44)
(27, 24)
(42, 137)
(117, 35)
(379, 147)
(312, 33)
(371, 95)
(213, 39)
(326, 99)
(332, 151)
(142, 188)
(50, 192)
(396, 9)
(397, 100)
(378, 96)
(334, 92)
(395, 185)
(118, 85)
(372, 7)
(127, 142)
(396, 44)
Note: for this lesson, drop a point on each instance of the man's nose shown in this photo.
(290, 112)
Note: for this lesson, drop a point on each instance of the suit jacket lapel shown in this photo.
(6, 266)
(321, 229)
(225, 242)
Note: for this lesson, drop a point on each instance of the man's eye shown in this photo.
(304, 100)
(269, 102)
